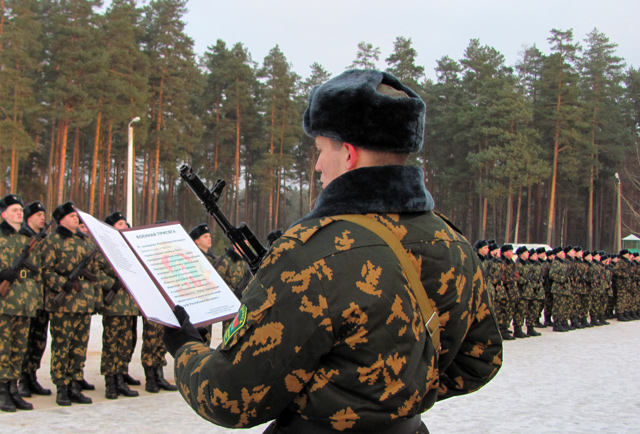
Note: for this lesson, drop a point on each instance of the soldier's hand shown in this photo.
(175, 338)
(9, 275)
(69, 286)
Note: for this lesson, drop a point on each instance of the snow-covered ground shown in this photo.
(583, 381)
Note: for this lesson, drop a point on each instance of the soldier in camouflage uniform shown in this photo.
(201, 236)
(635, 313)
(330, 313)
(523, 287)
(582, 289)
(622, 280)
(70, 320)
(19, 304)
(118, 314)
(561, 290)
(544, 278)
(599, 286)
(34, 223)
(533, 293)
(153, 354)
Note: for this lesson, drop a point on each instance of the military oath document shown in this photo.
(162, 267)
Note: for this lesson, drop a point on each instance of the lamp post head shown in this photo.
(136, 119)
(617, 177)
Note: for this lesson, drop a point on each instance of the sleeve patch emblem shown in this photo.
(237, 324)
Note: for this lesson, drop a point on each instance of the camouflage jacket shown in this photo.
(544, 275)
(231, 267)
(559, 276)
(23, 297)
(533, 288)
(122, 304)
(510, 279)
(581, 277)
(522, 279)
(61, 252)
(622, 276)
(496, 270)
(329, 329)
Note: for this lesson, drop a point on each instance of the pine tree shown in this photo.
(366, 57)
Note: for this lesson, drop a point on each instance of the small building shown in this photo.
(631, 243)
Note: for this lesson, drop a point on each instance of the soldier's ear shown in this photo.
(352, 157)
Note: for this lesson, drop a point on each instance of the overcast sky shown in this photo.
(329, 31)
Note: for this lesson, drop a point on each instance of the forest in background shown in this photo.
(517, 153)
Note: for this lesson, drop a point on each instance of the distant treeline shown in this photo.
(519, 153)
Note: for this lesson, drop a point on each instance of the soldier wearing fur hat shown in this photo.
(119, 313)
(523, 288)
(561, 290)
(201, 235)
(331, 299)
(18, 305)
(34, 223)
(505, 291)
(622, 278)
(70, 318)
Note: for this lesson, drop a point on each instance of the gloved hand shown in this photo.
(175, 338)
(9, 275)
(69, 286)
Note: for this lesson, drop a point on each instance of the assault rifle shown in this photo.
(22, 261)
(78, 271)
(241, 237)
(108, 299)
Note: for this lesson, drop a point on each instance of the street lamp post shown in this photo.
(618, 241)
(130, 158)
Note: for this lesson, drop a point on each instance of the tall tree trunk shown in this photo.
(94, 164)
(507, 226)
(63, 156)
(519, 206)
(554, 176)
(236, 177)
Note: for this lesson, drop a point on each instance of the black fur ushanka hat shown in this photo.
(32, 208)
(114, 218)
(199, 231)
(62, 210)
(10, 199)
(368, 109)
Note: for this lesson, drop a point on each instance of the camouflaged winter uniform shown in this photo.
(621, 282)
(231, 267)
(329, 330)
(561, 290)
(548, 296)
(118, 317)
(521, 304)
(69, 322)
(39, 324)
(501, 298)
(22, 301)
(533, 293)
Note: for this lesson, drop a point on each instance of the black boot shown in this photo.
(558, 327)
(62, 396)
(532, 332)
(122, 388)
(110, 387)
(86, 386)
(128, 379)
(23, 385)
(548, 322)
(75, 394)
(518, 333)
(575, 324)
(20, 403)
(595, 321)
(603, 320)
(35, 387)
(150, 380)
(506, 335)
(585, 323)
(623, 317)
(6, 403)
(162, 383)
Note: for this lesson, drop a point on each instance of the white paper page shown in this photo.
(132, 273)
(185, 274)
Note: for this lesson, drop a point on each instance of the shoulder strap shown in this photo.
(429, 315)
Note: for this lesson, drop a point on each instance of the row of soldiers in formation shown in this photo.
(55, 283)
(569, 287)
